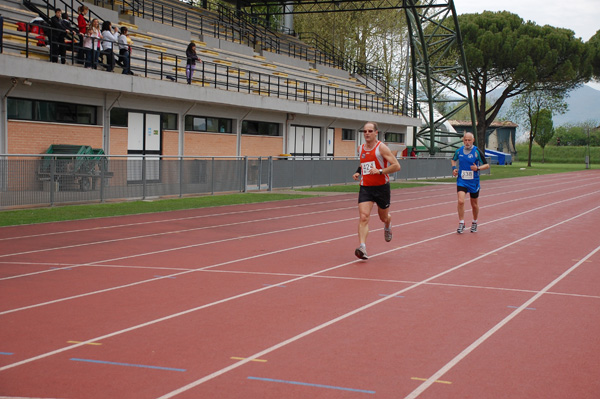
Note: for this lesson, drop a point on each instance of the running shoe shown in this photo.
(461, 228)
(361, 253)
(387, 234)
(474, 227)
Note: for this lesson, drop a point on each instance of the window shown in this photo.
(119, 117)
(260, 128)
(348, 134)
(169, 121)
(394, 137)
(51, 111)
(206, 124)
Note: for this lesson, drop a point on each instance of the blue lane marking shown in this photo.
(6, 353)
(310, 385)
(274, 285)
(126, 364)
(395, 296)
(517, 307)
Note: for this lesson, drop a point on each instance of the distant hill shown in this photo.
(584, 105)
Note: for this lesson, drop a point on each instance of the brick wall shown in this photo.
(170, 142)
(209, 144)
(343, 148)
(35, 137)
(118, 140)
(261, 146)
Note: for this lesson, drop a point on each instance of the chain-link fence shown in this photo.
(31, 180)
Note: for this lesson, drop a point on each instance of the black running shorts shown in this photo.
(378, 194)
(466, 190)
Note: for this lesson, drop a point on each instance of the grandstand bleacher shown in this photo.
(247, 73)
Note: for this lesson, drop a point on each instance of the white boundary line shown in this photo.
(433, 378)
(246, 222)
(264, 254)
(444, 190)
(437, 375)
(268, 253)
(258, 355)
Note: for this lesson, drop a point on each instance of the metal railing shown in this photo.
(47, 180)
(231, 25)
(149, 62)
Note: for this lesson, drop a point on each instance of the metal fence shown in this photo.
(34, 180)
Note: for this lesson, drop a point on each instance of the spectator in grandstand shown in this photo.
(82, 24)
(57, 38)
(190, 53)
(72, 28)
(91, 44)
(124, 59)
(109, 36)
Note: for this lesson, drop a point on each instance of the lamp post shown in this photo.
(587, 157)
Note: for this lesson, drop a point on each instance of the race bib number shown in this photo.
(367, 166)
(466, 174)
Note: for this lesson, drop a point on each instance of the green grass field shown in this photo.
(74, 212)
(562, 154)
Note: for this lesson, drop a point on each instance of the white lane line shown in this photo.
(432, 379)
(243, 212)
(262, 353)
(250, 236)
(264, 254)
(448, 366)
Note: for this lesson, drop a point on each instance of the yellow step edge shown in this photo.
(128, 26)
(269, 65)
(313, 70)
(282, 74)
(140, 35)
(261, 92)
(260, 57)
(10, 26)
(210, 52)
(333, 84)
(223, 62)
(37, 55)
(155, 47)
(323, 77)
(236, 72)
(21, 39)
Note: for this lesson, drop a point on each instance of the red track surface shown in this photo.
(268, 300)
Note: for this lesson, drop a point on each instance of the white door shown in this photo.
(143, 138)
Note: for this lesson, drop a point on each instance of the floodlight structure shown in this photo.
(438, 62)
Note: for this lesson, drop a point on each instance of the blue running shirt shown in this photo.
(466, 177)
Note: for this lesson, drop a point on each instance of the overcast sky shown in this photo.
(581, 16)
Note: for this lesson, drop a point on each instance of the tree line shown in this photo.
(536, 65)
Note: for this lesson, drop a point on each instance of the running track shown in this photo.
(268, 301)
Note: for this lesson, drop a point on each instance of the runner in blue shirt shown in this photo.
(467, 161)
